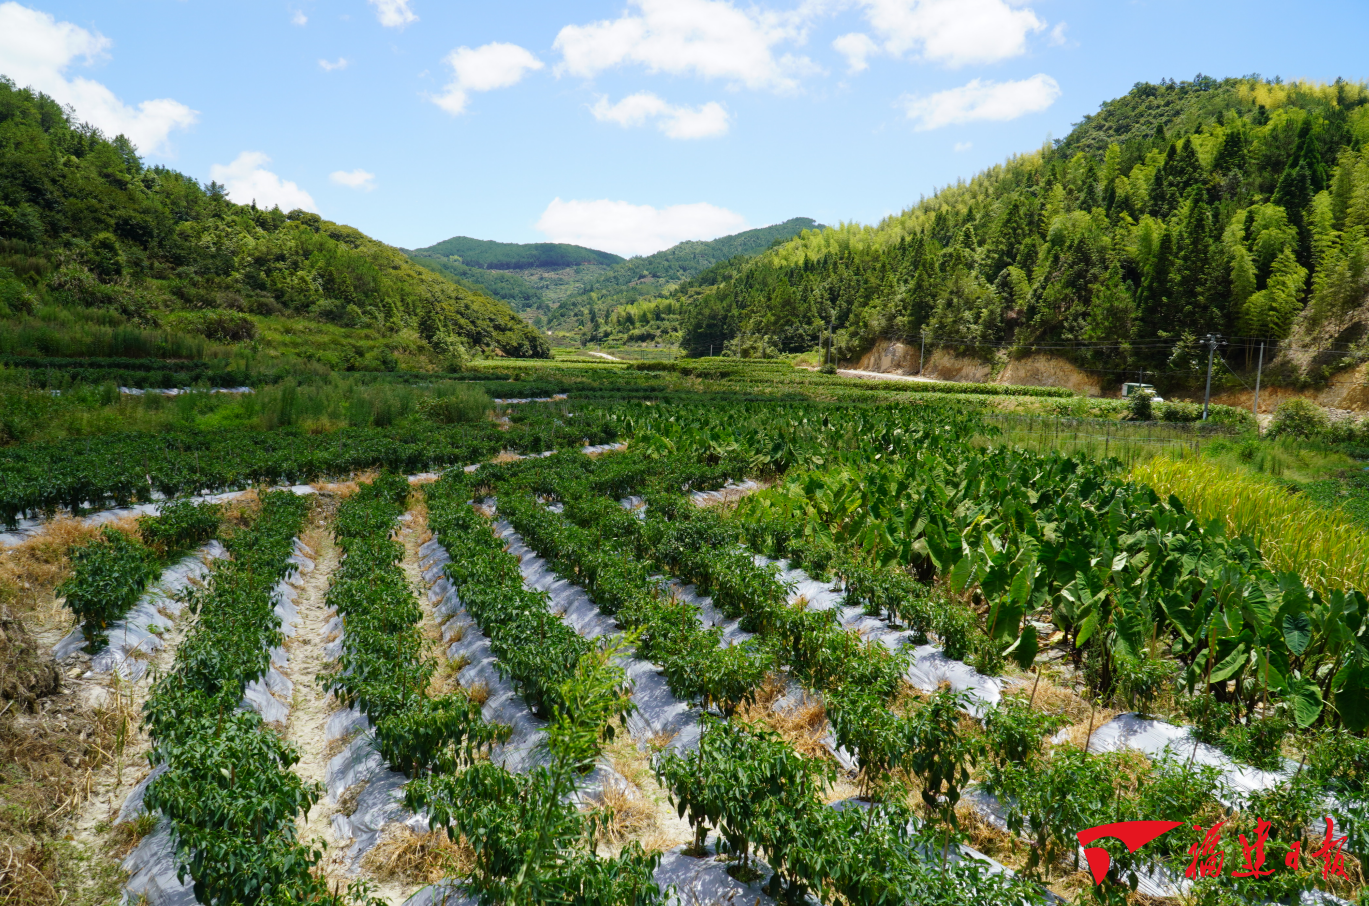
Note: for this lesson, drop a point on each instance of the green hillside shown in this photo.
(1237, 206)
(92, 241)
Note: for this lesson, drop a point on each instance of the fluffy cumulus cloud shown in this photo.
(334, 65)
(712, 39)
(707, 121)
(950, 32)
(393, 13)
(36, 51)
(857, 49)
(631, 229)
(246, 180)
(982, 100)
(299, 18)
(484, 69)
(354, 179)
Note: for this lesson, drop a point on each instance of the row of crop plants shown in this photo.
(226, 785)
(532, 844)
(382, 669)
(745, 782)
(122, 469)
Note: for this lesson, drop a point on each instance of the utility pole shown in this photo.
(831, 338)
(1256, 408)
(921, 356)
(1211, 340)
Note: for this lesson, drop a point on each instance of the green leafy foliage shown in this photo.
(108, 575)
(179, 526)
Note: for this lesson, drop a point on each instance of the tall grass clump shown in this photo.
(455, 403)
(1323, 545)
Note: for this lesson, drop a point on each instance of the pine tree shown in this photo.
(1294, 194)
(1191, 286)
(1231, 155)
(1153, 303)
(1185, 171)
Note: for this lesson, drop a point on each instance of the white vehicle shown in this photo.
(1129, 390)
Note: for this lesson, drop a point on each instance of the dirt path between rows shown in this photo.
(311, 706)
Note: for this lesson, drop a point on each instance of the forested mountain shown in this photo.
(1237, 206)
(638, 278)
(575, 290)
(512, 256)
(86, 227)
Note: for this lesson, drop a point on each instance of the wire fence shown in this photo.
(1129, 442)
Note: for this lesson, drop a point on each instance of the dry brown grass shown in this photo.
(1079, 733)
(479, 692)
(124, 837)
(347, 802)
(403, 854)
(446, 678)
(344, 489)
(990, 839)
(48, 761)
(240, 511)
(623, 814)
(802, 727)
(30, 571)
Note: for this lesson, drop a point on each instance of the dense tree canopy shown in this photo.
(83, 222)
(1181, 208)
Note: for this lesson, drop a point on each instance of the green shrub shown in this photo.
(1299, 418)
(181, 526)
(1141, 407)
(108, 576)
(1179, 411)
(829, 368)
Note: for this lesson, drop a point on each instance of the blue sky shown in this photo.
(627, 125)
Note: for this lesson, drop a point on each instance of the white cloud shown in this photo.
(299, 18)
(982, 100)
(36, 50)
(393, 13)
(629, 229)
(1057, 36)
(963, 146)
(706, 38)
(330, 66)
(952, 32)
(712, 119)
(247, 180)
(354, 179)
(857, 48)
(484, 69)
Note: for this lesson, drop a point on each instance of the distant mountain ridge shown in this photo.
(489, 255)
(555, 285)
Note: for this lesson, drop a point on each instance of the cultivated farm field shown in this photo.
(707, 631)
